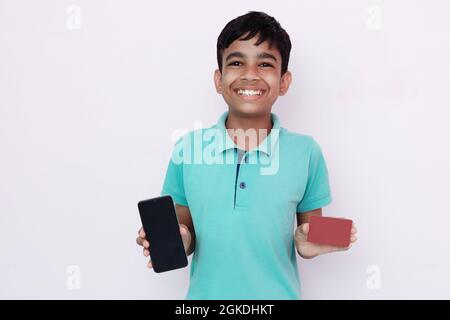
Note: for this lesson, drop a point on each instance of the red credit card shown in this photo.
(330, 231)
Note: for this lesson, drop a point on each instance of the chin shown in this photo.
(247, 111)
(251, 109)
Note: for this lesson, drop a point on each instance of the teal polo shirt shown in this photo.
(244, 205)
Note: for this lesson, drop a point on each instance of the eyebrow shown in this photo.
(263, 55)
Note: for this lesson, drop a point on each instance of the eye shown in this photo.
(266, 65)
(235, 63)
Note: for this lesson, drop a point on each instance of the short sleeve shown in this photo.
(317, 193)
(174, 181)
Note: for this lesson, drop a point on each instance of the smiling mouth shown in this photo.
(249, 92)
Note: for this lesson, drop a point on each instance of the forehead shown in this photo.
(248, 48)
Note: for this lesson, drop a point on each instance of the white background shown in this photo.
(88, 108)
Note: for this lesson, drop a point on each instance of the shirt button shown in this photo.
(242, 185)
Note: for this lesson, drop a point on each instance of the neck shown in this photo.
(261, 124)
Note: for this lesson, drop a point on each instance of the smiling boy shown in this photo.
(245, 224)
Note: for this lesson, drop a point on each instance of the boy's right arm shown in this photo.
(187, 232)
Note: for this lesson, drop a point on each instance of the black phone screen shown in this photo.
(160, 223)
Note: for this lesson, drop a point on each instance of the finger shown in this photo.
(142, 242)
(150, 265)
(141, 232)
(341, 248)
(354, 229)
(146, 252)
(353, 238)
(304, 228)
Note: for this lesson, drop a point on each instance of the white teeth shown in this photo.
(249, 92)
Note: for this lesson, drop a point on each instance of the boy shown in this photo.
(237, 205)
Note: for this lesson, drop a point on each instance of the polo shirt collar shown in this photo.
(267, 146)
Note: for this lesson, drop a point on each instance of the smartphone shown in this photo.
(162, 230)
(330, 231)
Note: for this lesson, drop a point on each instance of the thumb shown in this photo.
(183, 230)
(301, 234)
(304, 228)
(185, 236)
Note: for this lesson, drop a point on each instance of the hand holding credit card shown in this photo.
(330, 231)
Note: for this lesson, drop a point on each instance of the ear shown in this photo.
(218, 81)
(285, 82)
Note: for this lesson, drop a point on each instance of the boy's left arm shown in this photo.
(310, 250)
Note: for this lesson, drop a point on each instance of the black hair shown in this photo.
(255, 23)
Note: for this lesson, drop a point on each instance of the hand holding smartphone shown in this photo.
(162, 231)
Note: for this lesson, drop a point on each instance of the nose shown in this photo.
(250, 73)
